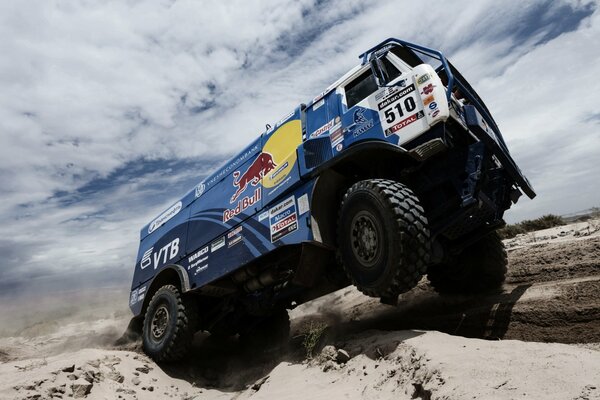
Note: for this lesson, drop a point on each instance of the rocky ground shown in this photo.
(539, 339)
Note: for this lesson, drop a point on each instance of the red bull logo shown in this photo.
(255, 172)
(242, 204)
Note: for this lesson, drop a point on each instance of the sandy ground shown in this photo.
(538, 339)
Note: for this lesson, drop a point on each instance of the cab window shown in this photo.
(360, 88)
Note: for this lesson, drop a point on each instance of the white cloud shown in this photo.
(92, 88)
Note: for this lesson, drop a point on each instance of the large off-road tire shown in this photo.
(479, 268)
(383, 238)
(266, 333)
(169, 324)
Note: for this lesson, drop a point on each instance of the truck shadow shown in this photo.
(483, 317)
(224, 364)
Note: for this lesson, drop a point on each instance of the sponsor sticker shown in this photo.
(200, 189)
(405, 122)
(198, 262)
(160, 257)
(433, 106)
(262, 165)
(427, 100)
(318, 104)
(428, 89)
(322, 129)
(217, 244)
(337, 136)
(339, 147)
(200, 269)
(234, 241)
(164, 217)
(392, 99)
(422, 79)
(361, 123)
(198, 254)
(263, 216)
(303, 205)
(435, 113)
(242, 205)
(283, 219)
(134, 297)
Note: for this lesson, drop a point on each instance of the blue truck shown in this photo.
(394, 172)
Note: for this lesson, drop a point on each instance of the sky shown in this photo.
(110, 111)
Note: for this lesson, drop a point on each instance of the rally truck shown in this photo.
(396, 171)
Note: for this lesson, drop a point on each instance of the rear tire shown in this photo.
(169, 326)
(383, 238)
(479, 268)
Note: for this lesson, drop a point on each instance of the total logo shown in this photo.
(160, 257)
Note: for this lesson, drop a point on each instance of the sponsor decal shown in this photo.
(234, 241)
(319, 97)
(217, 244)
(279, 170)
(285, 118)
(260, 166)
(235, 232)
(339, 147)
(422, 79)
(197, 262)
(282, 145)
(322, 129)
(142, 290)
(263, 216)
(337, 136)
(200, 189)
(303, 205)
(165, 254)
(164, 217)
(433, 106)
(242, 205)
(386, 92)
(427, 100)
(318, 104)
(435, 113)
(200, 269)
(233, 165)
(283, 219)
(428, 89)
(197, 254)
(362, 124)
(392, 99)
(134, 297)
(405, 122)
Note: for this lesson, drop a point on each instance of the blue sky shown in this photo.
(111, 110)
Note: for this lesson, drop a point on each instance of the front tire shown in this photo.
(383, 238)
(479, 268)
(170, 323)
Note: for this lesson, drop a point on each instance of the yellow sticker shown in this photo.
(282, 147)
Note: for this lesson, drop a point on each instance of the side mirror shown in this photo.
(377, 68)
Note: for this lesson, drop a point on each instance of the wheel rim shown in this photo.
(160, 321)
(365, 238)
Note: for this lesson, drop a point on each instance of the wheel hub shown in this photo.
(365, 241)
(159, 323)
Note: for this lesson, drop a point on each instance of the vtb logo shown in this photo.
(255, 172)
